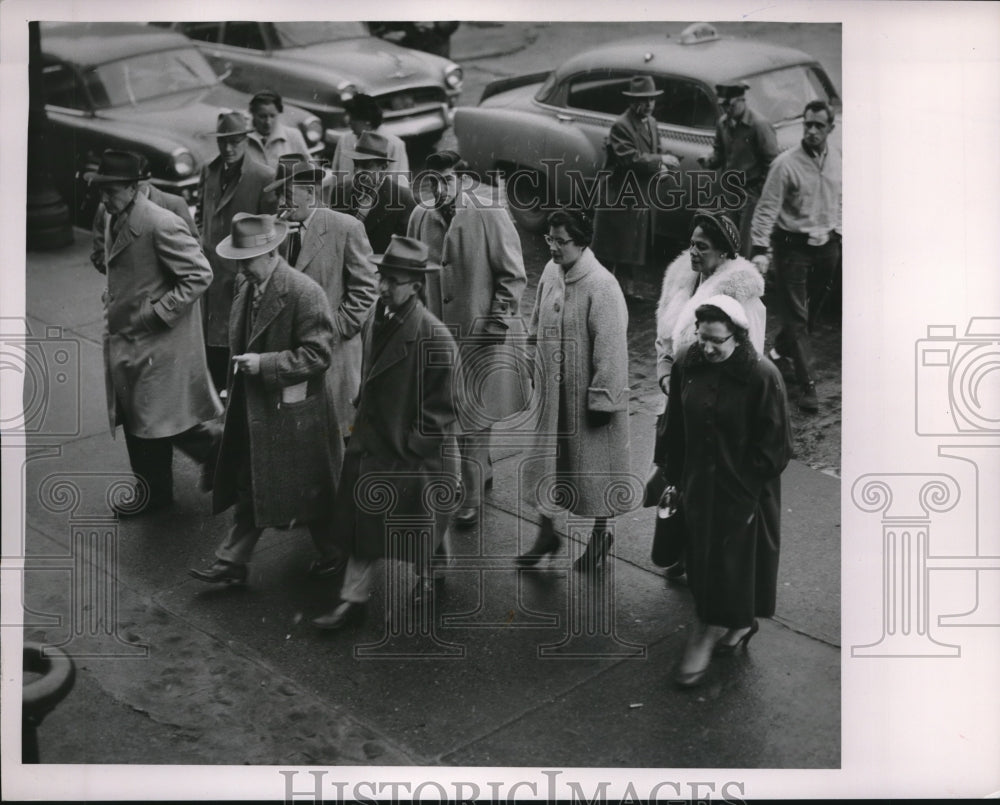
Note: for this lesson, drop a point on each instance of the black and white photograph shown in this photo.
(517, 407)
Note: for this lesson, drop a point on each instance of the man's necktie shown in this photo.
(294, 246)
(258, 294)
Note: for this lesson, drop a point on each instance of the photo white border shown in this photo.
(922, 185)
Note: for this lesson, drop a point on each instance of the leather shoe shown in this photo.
(467, 517)
(326, 568)
(346, 613)
(426, 590)
(808, 401)
(221, 572)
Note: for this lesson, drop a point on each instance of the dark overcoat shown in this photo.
(405, 417)
(580, 326)
(726, 441)
(623, 220)
(388, 216)
(335, 254)
(154, 355)
(216, 211)
(294, 446)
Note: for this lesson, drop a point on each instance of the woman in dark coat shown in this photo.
(727, 440)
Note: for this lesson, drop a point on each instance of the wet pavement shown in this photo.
(521, 668)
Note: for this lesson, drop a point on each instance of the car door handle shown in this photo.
(565, 118)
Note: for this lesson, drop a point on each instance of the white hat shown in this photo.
(733, 309)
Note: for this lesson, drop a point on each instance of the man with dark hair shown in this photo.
(799, 218)
(364, 114)
(745, 143)
(230, 184)
(270, 138)
(157, 383)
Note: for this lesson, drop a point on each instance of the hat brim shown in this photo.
(285, 180)
(93, 177)
(651, 94)
(359, 156)
(219, 135)
(378, 260)
(227, 250)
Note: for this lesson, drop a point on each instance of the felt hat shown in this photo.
(118, 166)
(252, 236)
(642, 86)
(729, 91)
(297, 168)
(405, 254)
(444, 160)
(231, 124)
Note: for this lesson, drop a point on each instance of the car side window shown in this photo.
(243, 35)
(62, 87)
(684, 103)
(599, 91)
(202, 31)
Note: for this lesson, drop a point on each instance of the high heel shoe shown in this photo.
(596, 552)
(725, 649)
(547, 542)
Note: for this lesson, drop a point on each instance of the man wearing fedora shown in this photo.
(281, 452)
(169, 201)
(230, 184)
(405, 417)
(623, 219)
(477, 294)
(157, 382)
(745, 144)
(332, 249)
(364, 114)
(373, 195)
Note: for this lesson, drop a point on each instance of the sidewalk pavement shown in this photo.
(174, 671)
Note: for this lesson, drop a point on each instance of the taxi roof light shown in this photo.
(698, 32)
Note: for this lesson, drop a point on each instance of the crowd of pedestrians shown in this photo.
(349, 325)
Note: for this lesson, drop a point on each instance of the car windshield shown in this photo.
(781, 95)
(300, 34)
(151, 75)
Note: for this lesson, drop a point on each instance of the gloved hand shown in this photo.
(598, 419)
(763, 263)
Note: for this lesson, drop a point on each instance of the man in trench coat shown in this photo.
(157, 383)
(394, 466)
(281, 451)
(478, 296)
(231, 183)
(331, 248)
(623, 226)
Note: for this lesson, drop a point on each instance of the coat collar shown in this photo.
(312, 244)
(270, 305)
(739, 365)
(400, 344)
(130, 230)
(583, 267)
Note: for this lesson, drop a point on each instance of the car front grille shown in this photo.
(398, 104)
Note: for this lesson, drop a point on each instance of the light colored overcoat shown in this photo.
(580, 323)
(154, 352)
(295, 449)
(216, 213)
(335, 254)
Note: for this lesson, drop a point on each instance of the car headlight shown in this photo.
(312, 130)
(183, 162)
(453, 77)
(346, 91)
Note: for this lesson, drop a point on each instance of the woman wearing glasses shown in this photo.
(581, 460)
(727, 440)
(711, 265)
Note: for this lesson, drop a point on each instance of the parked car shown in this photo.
(132, 87)
(321, 65)
(547, 125)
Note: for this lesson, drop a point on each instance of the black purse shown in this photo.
(670, 531)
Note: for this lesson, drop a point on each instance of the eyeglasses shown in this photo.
(718, 342)
(560, 242)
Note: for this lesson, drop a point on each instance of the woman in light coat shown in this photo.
(581, 459)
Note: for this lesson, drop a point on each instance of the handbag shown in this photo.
(656, 484)
(670, 531)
